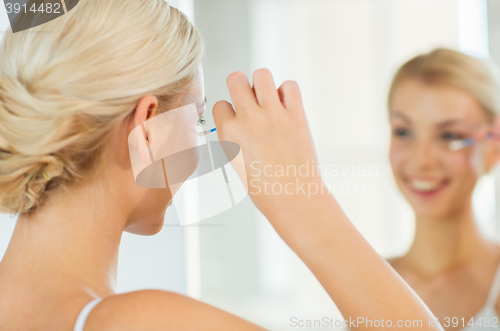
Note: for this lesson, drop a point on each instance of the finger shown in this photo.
(289, 93)
(265, 89)
(241, 92)
(223, 113)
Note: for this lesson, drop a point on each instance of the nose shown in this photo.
(425, 155)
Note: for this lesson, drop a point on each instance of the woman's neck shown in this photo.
(72, 237)
(444, 242)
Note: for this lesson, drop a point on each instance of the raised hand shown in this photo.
(271, 127)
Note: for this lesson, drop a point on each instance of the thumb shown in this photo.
(223, 113)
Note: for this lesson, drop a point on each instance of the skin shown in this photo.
(450, 264)
(66, 255)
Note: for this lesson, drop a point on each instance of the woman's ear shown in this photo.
(146, 109)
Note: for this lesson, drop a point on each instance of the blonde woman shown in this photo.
(71, 91)
(437, 98)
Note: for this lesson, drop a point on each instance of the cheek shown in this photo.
(158, 201)
(462, 165)
(397, 157)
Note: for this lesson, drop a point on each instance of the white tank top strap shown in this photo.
(84, 314)
(494, 289)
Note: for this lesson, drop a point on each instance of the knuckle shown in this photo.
(291, 87)
(261, 119)
(263, 72)
(291, 84)
(300, 121)
(246, 116)
(234, 77)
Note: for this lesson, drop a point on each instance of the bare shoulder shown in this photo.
(394, 261)
(161, 310)
(400, 265)
(496, 247)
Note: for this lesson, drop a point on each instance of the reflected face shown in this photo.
(148, 218)
(424, 119)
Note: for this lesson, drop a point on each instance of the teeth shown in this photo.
(425, 186)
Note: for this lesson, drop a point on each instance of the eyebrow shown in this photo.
(455, 122)
(401, 115)
(440, 125)
(204, 103)
(200, 109)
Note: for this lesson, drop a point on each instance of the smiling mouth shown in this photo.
(426, 187)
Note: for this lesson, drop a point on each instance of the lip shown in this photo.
(444, 183)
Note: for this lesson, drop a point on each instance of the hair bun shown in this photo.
(22, 161)
(69, 83)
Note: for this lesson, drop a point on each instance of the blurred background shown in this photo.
(343, 54)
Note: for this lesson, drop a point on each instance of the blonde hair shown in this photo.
(65, 85)
(477, 77)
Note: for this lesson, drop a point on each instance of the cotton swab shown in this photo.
(207, 132)
(460, 144)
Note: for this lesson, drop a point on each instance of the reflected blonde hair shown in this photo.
(477, 77)
(67, 84)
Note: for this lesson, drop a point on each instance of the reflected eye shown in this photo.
(451, 136)
(201, 121)
(402, 132)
